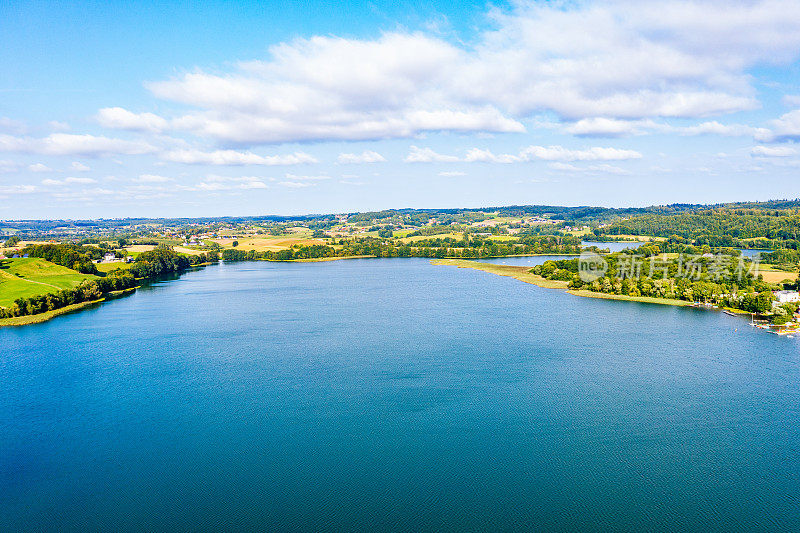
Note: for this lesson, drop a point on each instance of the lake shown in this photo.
(394, 395)
(614, 246)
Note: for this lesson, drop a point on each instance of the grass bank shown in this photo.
(44, 317)
(642, 299)
(522, 273)
(517, 272)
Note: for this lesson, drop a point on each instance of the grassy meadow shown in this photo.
(27, 277)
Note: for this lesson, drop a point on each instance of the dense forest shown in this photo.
(741, 227)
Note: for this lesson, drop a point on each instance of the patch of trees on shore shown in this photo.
(159, 261)
(164, 260)
(87, 291)
(466, 247)
(73, 256)
(727, 283)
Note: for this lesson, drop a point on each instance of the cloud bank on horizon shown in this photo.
(684, 97)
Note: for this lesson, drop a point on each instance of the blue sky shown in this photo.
(111, 109)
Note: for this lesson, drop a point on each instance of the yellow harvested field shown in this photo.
(262, 244)
(187, 251)
(108, 267)
(457, 236)
(517, 272)
(776, 276)
(22, 244)
(139, 248)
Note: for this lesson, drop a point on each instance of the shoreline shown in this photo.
(44, 317)
(521, 273)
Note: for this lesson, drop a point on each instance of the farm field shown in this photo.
(24, 278)
(263, 244)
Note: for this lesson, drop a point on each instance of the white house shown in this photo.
(787, 296)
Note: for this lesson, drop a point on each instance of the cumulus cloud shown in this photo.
(119, 118)
(69, 181)
(39, 167)
(725, 130)
(295, 177)
(785, 128)
(152, 178)
(69, 144)
(367, 156)
(603, 168)
(56, 125)
(235, 158)
(79, 167)
(773, 151)
(608, 127)
(531, 153)
(226, 183)
(17, 189)
(606, 61)
(427, 155)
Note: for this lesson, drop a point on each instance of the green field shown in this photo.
(24, 278)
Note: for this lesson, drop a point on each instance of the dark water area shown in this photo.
(394, 395)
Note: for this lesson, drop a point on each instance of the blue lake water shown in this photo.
(394, 395)
(613, 246)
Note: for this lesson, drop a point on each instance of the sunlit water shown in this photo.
(394, 395)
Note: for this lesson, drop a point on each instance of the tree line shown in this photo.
(472, 248)
(159, 261)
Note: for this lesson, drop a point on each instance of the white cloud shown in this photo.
(68, 144)
(791, 100)
(119, 118)
(17, 189)
(294, 184)
(452, 174)
(486, 156)
(612, 60)
(226, 183)
(69, 181)
(773, 151)
(426, 155)
(607, 127)
(602, 168)
(367, 156)
(725, 130)
(79, 167)
(295, 177)
(785, 128)
(152, 178)
(9, 125)
(531, 153)
(39, 167)
(235, 158)
(596, 153)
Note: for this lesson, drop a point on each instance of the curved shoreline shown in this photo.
(522, 274)
(44, 317)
